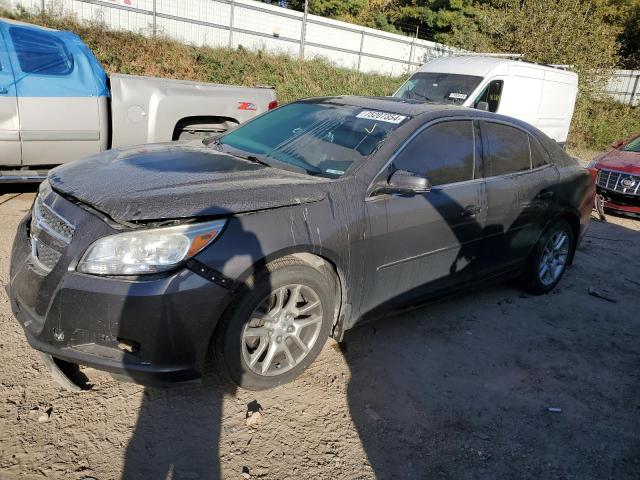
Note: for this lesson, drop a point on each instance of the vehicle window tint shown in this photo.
(539, 156)
(443, 152)
(508, 149)
(491, 94)
(40, 52)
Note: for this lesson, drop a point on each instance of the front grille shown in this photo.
(620, 182)
(50, 235)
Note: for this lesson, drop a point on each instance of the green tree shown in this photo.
(630, 38)
(569, 32)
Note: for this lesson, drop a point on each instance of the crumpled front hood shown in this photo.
(621, 160)
(180, 180)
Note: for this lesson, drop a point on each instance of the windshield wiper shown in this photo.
(251, 158)
(422, 96)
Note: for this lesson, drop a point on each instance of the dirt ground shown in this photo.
(459, 389)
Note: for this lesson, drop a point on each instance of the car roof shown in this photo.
(478, 65)
(465, 65)
(425, 111)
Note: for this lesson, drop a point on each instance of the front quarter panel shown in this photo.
(333, 229)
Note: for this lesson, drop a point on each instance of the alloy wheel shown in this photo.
(282, 330)
(554, 258)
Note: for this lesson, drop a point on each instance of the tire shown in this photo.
(265, 304)
(540, 280)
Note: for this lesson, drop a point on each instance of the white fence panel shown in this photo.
(624, 86)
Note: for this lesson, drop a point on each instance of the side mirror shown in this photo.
(402, 181)
(617, 144)
(482, 106)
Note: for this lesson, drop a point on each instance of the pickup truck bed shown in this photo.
(58, 105)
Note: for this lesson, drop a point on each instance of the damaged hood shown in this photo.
(621, 160)
(180, 180)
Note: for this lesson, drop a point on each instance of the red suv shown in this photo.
(618, 177)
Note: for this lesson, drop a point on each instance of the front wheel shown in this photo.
(550, 258)
(277, 326)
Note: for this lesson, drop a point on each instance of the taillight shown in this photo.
(273, 105)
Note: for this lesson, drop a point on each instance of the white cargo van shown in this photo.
(541, 95)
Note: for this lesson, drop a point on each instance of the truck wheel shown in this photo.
(549, 258)
(277, 325)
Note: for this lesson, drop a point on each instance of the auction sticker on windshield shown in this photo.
(381, 116)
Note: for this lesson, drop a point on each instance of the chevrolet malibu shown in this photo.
(294, 227)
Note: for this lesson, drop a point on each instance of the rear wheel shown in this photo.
(277, 326)
(550, 258)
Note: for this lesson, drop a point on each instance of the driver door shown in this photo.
(427, 243)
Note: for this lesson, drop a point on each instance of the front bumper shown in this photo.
(154, 331)
(620, 203)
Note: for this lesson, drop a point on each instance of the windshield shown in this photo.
(633, 146)
(439, 87)
(317, 138)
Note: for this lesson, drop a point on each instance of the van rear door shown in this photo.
(10, 152)
(557, 104)
(58, 90)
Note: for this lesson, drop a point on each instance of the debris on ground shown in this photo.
(372, 414)
(554, 410)
(254, 419)
(45, 416)
(601, 294)
(254, 415)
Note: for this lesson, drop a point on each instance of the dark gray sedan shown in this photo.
(295, 226)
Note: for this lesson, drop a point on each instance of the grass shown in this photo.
(595, 124)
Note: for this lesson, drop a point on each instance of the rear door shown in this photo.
(519, 197)
(10, 151)
(57, 99)
(427, 243)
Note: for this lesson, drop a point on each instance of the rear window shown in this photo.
(539, 156)
(318, 138)
(40, 52)
(508, 149)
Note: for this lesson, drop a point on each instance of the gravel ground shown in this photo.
(459, 389)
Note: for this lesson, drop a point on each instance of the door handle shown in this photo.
(545, 195)
(470, 211)
(4, 90)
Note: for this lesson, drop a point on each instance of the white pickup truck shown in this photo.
(58, 105)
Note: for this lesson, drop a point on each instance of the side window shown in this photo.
(491, 94)
(444, 152)
(40, 52)
(539, 156)
(508, 149)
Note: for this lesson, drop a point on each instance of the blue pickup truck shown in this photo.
(57, 104)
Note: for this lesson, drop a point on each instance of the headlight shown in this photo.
(592, 164)
(148, 251)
